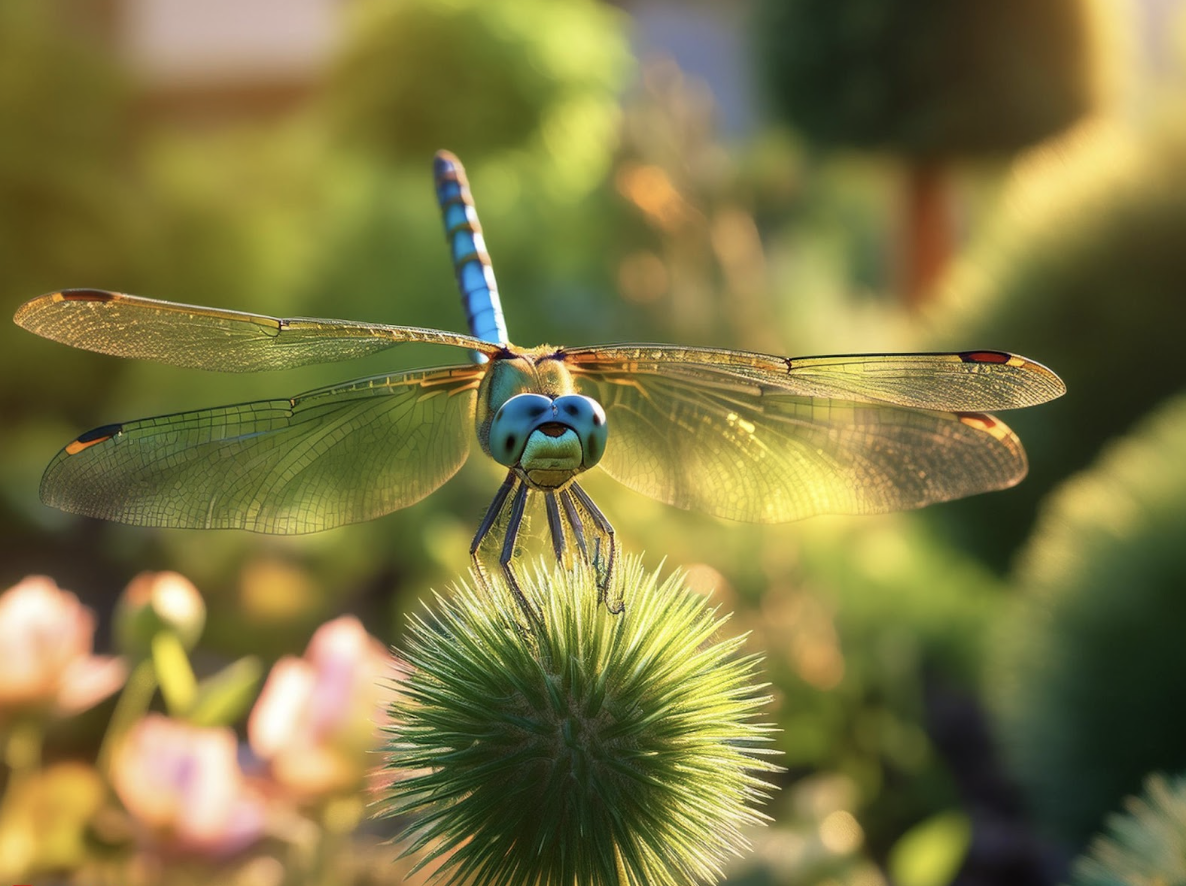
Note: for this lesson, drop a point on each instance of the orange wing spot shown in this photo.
(79, 445)
(985, 357)
(90, 438)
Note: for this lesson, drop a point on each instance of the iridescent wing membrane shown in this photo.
(210, 338)
(337, 455)
(744, 436)
(765, 439)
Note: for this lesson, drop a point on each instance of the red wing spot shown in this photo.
(790, 363)
(978, 420)
(87, 295)
(985, 357)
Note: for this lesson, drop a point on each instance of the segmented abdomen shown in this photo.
(475, 277)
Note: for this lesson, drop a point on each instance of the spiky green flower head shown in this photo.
(1145, 845)
(606, 749)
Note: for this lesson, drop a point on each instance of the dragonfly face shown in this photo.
(550, 441)
(741, 435)
(531, 421)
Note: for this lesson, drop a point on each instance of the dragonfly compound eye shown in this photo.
(585, 416)
(513, 424)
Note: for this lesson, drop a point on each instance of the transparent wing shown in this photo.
(756, 453)
(963, 381)
(209, 338)
(336, 455)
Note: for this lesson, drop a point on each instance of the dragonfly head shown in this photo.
(551, 436)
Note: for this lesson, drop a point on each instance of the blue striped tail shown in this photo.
(475, 276)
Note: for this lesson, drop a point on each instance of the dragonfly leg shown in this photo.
(605, 531)
(506, 558)
(555, 525)
(574, 520)
(492, 513)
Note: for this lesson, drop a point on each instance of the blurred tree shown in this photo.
(930, 82)
(1083, 271)
(1085, 673)
(475, 77)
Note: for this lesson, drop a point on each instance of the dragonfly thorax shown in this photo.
(549, 439)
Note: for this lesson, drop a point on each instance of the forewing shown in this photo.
(757, 453)
(955, 382)
(210, 338)
(332, 456)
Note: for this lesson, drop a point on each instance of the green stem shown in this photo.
(174, 673)
(22, 746)
(132, 705)
(337, 819)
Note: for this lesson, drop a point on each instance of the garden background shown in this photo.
(965, 694)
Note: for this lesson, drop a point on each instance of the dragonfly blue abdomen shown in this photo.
(475, 276)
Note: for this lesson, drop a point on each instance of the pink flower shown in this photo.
(46, 639)
(154, 602)
(183, 785)
(314, 721)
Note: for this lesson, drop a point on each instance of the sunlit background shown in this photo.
(965, 694)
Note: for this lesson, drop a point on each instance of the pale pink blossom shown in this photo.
(46, 641)
(315, 720)
(154, 602)
(183, 786)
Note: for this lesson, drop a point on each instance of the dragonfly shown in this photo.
(741, 435)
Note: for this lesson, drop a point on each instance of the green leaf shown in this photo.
(222, 698)
(930, 853)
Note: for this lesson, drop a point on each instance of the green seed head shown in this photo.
(611, 749)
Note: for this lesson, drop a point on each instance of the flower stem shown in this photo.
(132, 705)
(22, 746)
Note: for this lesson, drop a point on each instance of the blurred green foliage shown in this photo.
(931, 853)
(476, 77)
(1083, 670)
(903, 611)
(64, 109)
(928, 80)
(1081, 269)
